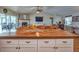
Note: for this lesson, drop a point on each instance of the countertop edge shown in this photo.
(35, 37)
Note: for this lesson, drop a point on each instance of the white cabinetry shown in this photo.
(55, 45)
(23, 45)
(33, 45)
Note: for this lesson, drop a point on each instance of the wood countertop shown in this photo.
(41, 34)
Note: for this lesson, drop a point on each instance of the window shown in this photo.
(68, 21)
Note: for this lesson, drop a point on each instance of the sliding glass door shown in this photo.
(3, 23)
(68, 21)
(13, 23)
(7, 23)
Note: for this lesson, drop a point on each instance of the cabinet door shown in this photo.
(27, 41)
(64, 45)
(76, 48)
(64, 42)
(76, 45)
(28, 49)
(46, 45)
(28, 45)
(8, 49)
(8, 43)
(46, 49)
(64, 49)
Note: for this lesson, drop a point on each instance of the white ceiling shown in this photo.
(59, 10)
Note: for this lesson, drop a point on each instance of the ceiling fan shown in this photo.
(39, 10)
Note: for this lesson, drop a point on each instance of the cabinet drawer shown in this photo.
(46, 42)
(8, 49)
(65, 45)
(64, 49)
(28, 42)
(28, 49)
(64, 42)
(46, 49)
(28, 45)
(8, 41)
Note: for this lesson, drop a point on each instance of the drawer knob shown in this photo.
(8, 41)
(17, 47)
(64, 41)
(55, 47)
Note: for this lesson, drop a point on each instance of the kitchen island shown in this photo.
(42, 39)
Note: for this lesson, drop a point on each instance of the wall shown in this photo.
(46, 19)
(76, 14)
(24, 16)
(10, 12)
(57, 19)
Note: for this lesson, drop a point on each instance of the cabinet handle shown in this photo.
(27, 41)
(55, 47)
(8, 41)
(64, 41)
(17, 47)
(46, 41)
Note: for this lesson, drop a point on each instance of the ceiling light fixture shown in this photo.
(38, 10)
